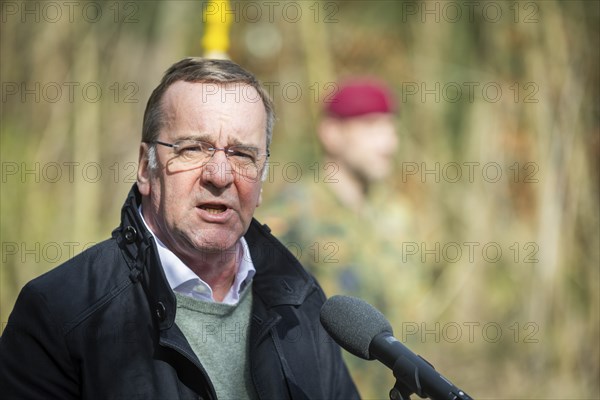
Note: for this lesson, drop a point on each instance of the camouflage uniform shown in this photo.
(350, 253)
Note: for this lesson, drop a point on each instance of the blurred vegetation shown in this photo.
(75, 83)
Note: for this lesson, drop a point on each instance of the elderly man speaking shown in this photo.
(191, 297)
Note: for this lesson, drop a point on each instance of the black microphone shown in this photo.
(362, 330)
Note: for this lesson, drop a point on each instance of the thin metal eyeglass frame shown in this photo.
(214, 149)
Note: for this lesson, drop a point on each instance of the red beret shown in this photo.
(360, 97)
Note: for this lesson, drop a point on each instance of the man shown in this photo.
(358, 137)
(354, 213)
(191, 297)
(347, 224)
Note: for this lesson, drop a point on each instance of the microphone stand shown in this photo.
(400, 391)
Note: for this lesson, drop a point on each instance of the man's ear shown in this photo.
(331, 136)
(259, 201)
(143, 172)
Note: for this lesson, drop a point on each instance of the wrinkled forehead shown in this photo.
(210, 107)
(191, 95)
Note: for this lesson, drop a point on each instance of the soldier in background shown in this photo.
(346, 226)
(359, 140)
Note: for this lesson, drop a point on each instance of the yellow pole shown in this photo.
(217, 21)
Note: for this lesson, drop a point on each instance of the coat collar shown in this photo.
(141, 254)
(279, 279)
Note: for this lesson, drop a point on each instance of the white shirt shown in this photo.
(184, 281)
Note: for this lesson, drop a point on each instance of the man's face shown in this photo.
(206, 209)
(370, 144)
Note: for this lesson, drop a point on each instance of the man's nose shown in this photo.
(218, 171)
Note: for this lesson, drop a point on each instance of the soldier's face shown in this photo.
(371, 143)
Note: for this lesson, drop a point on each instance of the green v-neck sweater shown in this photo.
(219, 335)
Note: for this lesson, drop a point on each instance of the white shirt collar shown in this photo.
(184, 281)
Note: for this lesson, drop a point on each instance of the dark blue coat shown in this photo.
(101, 326)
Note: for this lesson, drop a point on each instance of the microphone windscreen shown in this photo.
(353, 323)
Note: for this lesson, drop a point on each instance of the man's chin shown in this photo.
(215, 241)
(381, 174)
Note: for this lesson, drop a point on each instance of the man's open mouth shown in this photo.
(213, 208)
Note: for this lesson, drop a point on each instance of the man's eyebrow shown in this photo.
(237, 142)
(203, 138)
(207, 138)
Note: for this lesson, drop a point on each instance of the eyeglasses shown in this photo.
(197, 153)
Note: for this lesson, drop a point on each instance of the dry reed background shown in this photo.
(76, 75)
